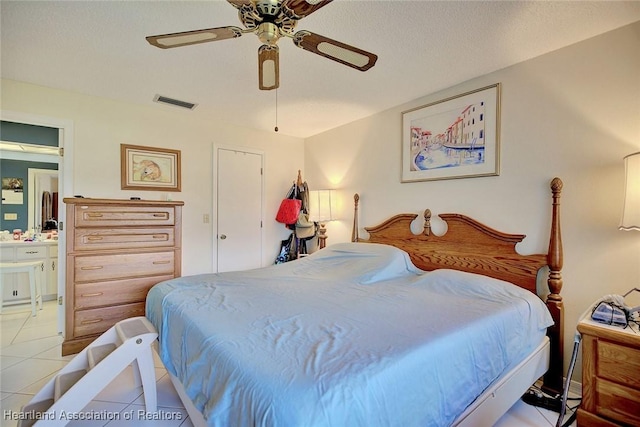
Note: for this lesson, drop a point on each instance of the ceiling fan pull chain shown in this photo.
(276, 128)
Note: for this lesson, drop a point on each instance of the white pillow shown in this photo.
(364, 263)
(476, 287)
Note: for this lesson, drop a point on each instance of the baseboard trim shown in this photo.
(575, 388)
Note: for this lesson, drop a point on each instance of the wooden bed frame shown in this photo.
(473, 247)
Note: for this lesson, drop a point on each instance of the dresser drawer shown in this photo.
(28, 251)
(89, 295)
(98, 320)
(7, 254)
(91, 239)
(618, 402)
(121, 216)
(590, 420)
(119, 266)
(619, 363)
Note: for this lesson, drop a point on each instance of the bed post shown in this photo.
(354, 230)
(553, 377)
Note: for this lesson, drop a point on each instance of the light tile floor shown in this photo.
(30, 354)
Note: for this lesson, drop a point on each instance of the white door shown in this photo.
(238, 208)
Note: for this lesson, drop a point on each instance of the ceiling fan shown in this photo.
(270, 20)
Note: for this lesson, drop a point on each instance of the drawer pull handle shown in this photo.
(32, 252)
(88, 322)
(95, 238)
(95, 294)
(161, 262)
(159, 236)
(95, 215)
(97, 267)
(160, 215)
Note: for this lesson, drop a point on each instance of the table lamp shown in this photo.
(631, 208)
(320, 206)
(631, 216)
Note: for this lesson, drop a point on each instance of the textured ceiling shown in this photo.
(99, 48)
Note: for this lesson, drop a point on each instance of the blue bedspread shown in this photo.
(353, 335)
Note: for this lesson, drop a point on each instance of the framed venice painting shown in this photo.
(457, 137)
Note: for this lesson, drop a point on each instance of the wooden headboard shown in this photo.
(471, 246)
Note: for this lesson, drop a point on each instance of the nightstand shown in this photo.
(610, 375)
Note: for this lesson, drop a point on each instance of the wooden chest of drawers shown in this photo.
(116, 251)
(610, 375)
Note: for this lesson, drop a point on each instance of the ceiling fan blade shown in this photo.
(268, 67)
(301, 8)
(335, 50)
(239, 3)
(166, 41)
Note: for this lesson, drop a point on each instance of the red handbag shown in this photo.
(289, 211)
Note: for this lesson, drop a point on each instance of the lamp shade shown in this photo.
(631, 209)
(320, 205)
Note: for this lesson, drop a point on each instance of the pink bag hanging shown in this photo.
(289, 211)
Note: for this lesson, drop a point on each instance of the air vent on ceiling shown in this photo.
(175, 102)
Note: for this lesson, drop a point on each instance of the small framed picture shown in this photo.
(457, 137)
(148, 168)
(12, 191)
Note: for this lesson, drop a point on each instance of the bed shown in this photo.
(395, 330)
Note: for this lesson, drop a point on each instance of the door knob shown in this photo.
(223, 236)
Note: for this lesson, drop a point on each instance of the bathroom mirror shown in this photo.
(37, 167)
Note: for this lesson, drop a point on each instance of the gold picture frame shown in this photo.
(149, 168)
(457, 137)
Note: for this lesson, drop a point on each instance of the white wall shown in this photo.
(101, 125)
(573, 113)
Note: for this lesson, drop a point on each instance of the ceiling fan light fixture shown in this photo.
(268, 33)
(342, 54)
